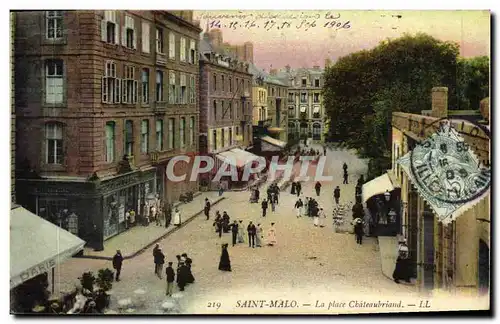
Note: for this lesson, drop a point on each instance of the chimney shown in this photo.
(287, 67)
(484, 108)
(439, 102)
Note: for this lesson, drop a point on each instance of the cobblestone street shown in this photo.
(308, 263)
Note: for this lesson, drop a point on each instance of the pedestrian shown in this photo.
(258, 236)
(177, 218)
(221, 189)
(269, 192)
(170, 276)
(344, 167)
(276, 195)
(241, 232)
(154, 212)
(299, 189)
(294, 188)
(307, 206)
(178, 257)
(336, 194)
(358, 230)
(218, 224)
(182, 275)
(159, 261)
(251, 229)
(225, 222)
(298, 207)
(317, 187)
(402, 269)
(155, 252)
(346, 176)
(273, 204)
(322, 217)
(225, 262)
(168, 215)
(117, 264)
(361, 180)
(324, 150)
(188, 262)
(257, 194)
(271, 236)
(206, 209)
(264, 207)
(234, 231)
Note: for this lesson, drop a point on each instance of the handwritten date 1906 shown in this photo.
(305, 24)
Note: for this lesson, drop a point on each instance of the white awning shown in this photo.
(377, 186)
(36, 245)
(237, 157)
(273, 141)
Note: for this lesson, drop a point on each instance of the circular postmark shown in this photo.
(445, 165)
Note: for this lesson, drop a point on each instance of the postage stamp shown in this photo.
(260, 162)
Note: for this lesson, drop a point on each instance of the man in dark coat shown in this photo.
(182, 276)
(344, 167)
(218, 224)
(264, 207)
(317, 187)
(358, 230)
(234, 231)
(252, 230)
(159, 261)
(206, 209)
(269, 193)
(294, 188)
(168, 215)
(225, 222)
(155, 252)
(346, 176)
(170, 276)
(336, 195)
(299, 188)
(117, 264)
(324, 150)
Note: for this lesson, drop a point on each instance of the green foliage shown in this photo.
(362, 89)
(87, 281)
(105, 279)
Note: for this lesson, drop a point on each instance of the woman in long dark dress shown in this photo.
(402, 270)
(294, 185)
(225, 263)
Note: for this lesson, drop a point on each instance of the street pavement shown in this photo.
(307, 264)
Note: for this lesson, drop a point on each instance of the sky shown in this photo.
(282, 37)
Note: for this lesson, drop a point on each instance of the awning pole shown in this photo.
(53, 276)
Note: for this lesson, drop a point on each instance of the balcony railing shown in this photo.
(161, 59)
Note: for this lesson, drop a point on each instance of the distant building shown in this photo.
(306, 112)
(243, 52)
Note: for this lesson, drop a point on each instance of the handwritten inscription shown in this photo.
(279, 21)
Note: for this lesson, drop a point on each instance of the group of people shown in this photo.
(296, 188)
(183, 272)
(222, 223)
(310, 208)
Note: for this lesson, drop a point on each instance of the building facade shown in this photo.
(306, 113)
(455, 256)
(102, 111)
(243, 52)
(225, 101)
(277, 91)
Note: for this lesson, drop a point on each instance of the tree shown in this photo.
(473, 82)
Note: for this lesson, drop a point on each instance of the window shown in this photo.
(272, 92)
(110, 142)
(222, 82)
(182, 53)
(291, 97)
(230, 107)
(54, 82)
(183, 90)
(215, 110)
(159, 40)
(129, 38)
(222, 109)
(214, 140)
(109, 27)
(316, 97)
(145, 136)
(129, 138)
(129, 86)
(182, 132)
(236, 109)
(230, 136)
(145, 85)
(53, 25)
(237, 131)
(304, 82)
(192, 89)
(159, 86)
(316, 132)
(159, 135)
(111, 85)
(192, 52)
(172, 90)
(54, 143)
(230, 85)
(145, 37)
(316, 83)
(171, 46)
(191, 131)
(316, 113)
(303, 97)
(215, 82)
(171, 138)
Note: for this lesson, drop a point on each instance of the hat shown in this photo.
(169, 263)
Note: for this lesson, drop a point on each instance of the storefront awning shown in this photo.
(377, 186)
(237, 157)
(273, 141)
(36, 245)
(275, 130)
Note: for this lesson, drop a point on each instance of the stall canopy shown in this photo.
(36, 245)
(377, 186)
(237, 157)
(274, 142)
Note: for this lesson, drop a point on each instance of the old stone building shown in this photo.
(225, 101)
(306, 113)
(452, 256)
(244, 52)
(103, 100)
